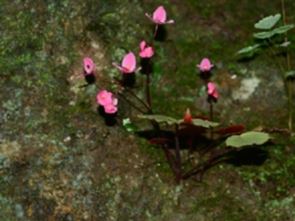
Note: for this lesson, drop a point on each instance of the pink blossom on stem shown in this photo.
(88, 65)
(104, 97)
(205, 65)
(159, 16)
(212, 91)
(108, 101)
(146, 51)
(128, 64)
(110, 108)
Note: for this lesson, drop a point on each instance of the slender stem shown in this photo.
(131, 104)
(208, 164)
(287, 82)
(290, 119)
(177, 156)
(170, 160)
(139, 99)
(156, 30)
(211, 110)
(148, 91)
(134, 95)
(211, 118)
(288, 58)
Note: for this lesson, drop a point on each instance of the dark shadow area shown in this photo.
(146, 66)
(110, 119)
(128, 80)
(247, 156)
(90, 78)
(100, 111)
(246, 59)
(190, 137)
(205, 75)
(161, 33)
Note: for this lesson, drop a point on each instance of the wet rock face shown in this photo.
(58, 160)
(247, 88)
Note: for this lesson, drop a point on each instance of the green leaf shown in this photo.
(268, 22)
(283, 29)
(170, 120)
(249, 50)
(160, 119)
(264, 34)
(290, 75)
(204, 123)
(277, 31)
(247, 139)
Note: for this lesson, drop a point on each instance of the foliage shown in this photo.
(268, 22)
(274, 42)
(247, 139)
(270, 31)
(172, 121)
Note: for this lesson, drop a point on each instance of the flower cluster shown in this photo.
(107, 100)
(146, 51)
(205, 68)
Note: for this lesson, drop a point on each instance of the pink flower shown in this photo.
(110, 108)
(88, 65)
(104, 97)
(212, 91)
(159, 16)
(128, 64)
(108, 101)
(145, 50)
(205, 65)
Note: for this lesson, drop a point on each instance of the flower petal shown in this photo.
(159, 15)
(129, 63)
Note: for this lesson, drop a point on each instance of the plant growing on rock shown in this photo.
(145, 54)
(271, 39)
(107, 106)
(204, 141)
(159, 18)
(128, 69)
(205, 147)
(89, 66)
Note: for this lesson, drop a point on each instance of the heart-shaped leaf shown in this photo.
(249, 49)
(170, 120)
(247, 139)
(268, 22)
(277, 31)
(264, 34)
(160, 119)
(204, 123)
(283, 29)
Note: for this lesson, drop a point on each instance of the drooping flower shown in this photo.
(107, 100)
(104, 97)
(128, 64)
(159, 16)
(146, 51)
(88, 65)
(110, 108)
(187, 118)
(205, 65)
(212, 91)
